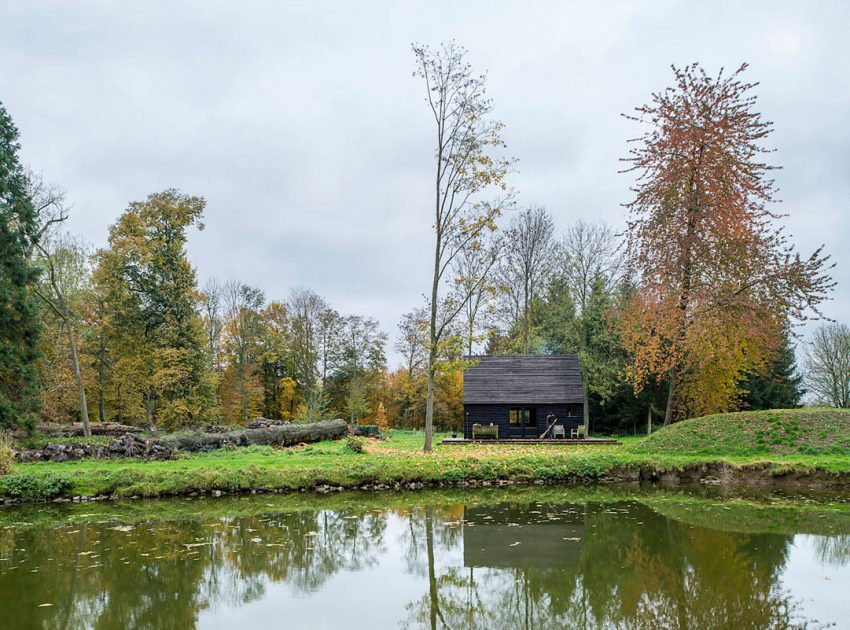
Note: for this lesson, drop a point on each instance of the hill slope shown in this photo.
(808, 431)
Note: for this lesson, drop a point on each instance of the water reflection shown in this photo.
(630, 562)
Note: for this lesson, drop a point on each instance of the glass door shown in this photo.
(522, 422)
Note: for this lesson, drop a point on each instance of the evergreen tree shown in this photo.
(587, 334)
(779, 385)
(19, 320)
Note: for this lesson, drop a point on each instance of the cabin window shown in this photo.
(522, 416)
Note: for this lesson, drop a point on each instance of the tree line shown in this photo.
(690, 310)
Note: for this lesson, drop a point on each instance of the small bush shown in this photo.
(29, 485)
(354, 444)
(6, 455)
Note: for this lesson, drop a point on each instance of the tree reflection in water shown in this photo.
(629, 568)
(524, 565)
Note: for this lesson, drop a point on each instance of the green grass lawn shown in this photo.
(739, 441)
(784, 432)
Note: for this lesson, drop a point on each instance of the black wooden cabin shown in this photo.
(517, 394)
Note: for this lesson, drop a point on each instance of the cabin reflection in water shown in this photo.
(527, 537)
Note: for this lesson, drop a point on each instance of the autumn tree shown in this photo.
(66, 282)
(467, 164)
(361, 362)
(828, 365)
(152, 322)
(528, 257)
(99, 353)
(306, 308)
(19, 321)
(381, 418)
(717, 280)
(243, 335)
(407, 383)
(277, 372)
(330, 333)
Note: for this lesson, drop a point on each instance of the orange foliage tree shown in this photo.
(717, 279)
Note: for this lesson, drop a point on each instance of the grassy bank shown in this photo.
(777, 432)
(687, 451)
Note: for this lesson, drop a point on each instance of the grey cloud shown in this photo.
(302, 126)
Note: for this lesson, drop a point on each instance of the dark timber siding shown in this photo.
(570, 416)
(542, 383)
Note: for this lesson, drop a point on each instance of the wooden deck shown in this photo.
(545, 441)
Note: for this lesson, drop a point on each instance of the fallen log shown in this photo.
(279, 435)
(75, 429)
(167, 446)
(366, 430)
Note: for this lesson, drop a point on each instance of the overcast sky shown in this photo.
(301, 125)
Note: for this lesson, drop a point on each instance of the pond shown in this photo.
(542, 557)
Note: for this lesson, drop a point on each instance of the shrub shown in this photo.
(354, 444)
(6, 454)
(29, 485)
(381, 419)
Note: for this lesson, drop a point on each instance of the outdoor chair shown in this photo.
(578, 432)
(558, 431)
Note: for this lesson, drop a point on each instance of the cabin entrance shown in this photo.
(522, 422)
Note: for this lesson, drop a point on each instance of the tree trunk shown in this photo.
(283, 435)
(432, 350)
(100, 358)
(243, 390)
(435, 290)
(429, 412)
(101, 412)
(149, 408)
(433, 586)
(649, 420)
(78, 377)
(586, 414)
(671, 395)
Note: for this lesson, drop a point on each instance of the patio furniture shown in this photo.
(578, 432)
(490, 431)
(558, 431)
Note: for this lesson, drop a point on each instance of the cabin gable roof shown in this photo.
(524, 379)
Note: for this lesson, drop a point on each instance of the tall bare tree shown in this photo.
(66, 262)
(467, 164)
(413, 340)
(306, 308)
(472, 270)
(589, 254)
(828, 365)
(212, 309)
(529, 254)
